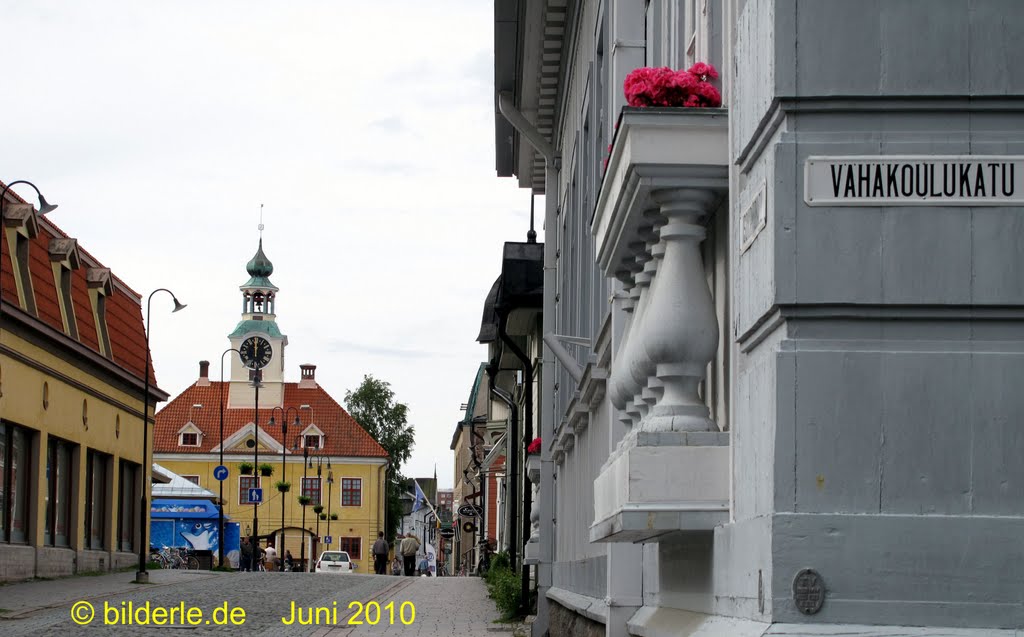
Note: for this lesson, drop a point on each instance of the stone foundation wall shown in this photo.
(92, 561)
(16, 562)
(122, 559)
(566, 623)
(54, 561)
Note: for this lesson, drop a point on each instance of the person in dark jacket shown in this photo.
(380, 554)
(245, 559)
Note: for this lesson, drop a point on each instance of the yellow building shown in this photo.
(72, 359)
(326, 455)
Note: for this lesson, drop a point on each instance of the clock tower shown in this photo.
(258, 326)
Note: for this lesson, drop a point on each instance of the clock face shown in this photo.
(255, 352)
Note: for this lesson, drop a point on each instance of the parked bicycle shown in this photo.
(172, 557)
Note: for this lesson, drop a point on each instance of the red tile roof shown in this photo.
(343, 436)
(124, 309)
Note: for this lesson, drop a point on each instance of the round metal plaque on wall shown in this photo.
(808, 591)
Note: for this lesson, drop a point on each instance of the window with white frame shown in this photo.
(311, 489)
(351, 492)
(189, 439)
(192, 479)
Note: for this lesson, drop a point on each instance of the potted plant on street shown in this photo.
(245, 468)
(334, 516)
(318, 508)
(304, 500)
(266, 470)
(283, 486)
(323, 516)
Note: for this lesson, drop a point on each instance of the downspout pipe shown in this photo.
(511, 455)
(519, 446)
(552, 168)
(564, 357)
(504, 397)
(507, 107)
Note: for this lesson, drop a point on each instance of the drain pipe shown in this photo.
(504, 397)
(553, 164)
(511, 457)
(519, 446)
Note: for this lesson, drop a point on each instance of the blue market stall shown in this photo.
(192, 524)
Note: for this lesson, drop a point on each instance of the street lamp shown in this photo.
(319, 467)
(142, 576)
(330, 483)
(44, 208)
(220, 512)
(257, 376)
(284, 439)
(302, 487)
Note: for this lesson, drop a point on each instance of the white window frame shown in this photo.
(341, 491)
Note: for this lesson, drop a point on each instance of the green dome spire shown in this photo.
(259, 265)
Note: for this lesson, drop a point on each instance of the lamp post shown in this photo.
(220, 508)
(284, 438)
(330, 483)
(142, 576)
(319, 468)
(257, 376)
(302, 486)
(44, 208)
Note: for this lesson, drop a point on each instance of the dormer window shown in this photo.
(20, 228)
(64, 260)
(189, 436)
(312, 437)
(100, 287)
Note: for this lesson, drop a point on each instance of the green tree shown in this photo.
(373, 406)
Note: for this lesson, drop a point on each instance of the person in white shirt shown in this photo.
(271, 561)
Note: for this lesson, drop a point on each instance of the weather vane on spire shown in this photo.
(261, 222)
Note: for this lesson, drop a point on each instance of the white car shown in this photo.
(334, 562)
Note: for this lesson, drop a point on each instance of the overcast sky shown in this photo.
(365, 128)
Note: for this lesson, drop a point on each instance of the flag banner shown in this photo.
(420, 499)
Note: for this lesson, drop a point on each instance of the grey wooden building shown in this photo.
(783, 339)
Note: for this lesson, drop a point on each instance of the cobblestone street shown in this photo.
(443, 606)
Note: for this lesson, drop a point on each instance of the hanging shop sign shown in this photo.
(471, 511)
(914, 180)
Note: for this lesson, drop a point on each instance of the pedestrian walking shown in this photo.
(271, 557)
(245, 555)
(410, 545)
(380, 554)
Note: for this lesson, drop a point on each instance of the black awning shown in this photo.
(489, 321)
(522, 277)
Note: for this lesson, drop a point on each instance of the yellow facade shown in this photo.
(362, 522)
(47, 395)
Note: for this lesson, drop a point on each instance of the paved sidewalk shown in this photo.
(27, 597)
(445, 606)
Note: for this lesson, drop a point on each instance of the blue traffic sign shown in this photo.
(327, 540)
(220, 472)
(255, 496)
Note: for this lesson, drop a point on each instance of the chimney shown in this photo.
(308, 377)
(204, 374)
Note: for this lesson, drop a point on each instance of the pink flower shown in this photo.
(534, 446)
(664, 87)
(703, 71)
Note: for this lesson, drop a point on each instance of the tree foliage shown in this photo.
(373, 406)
